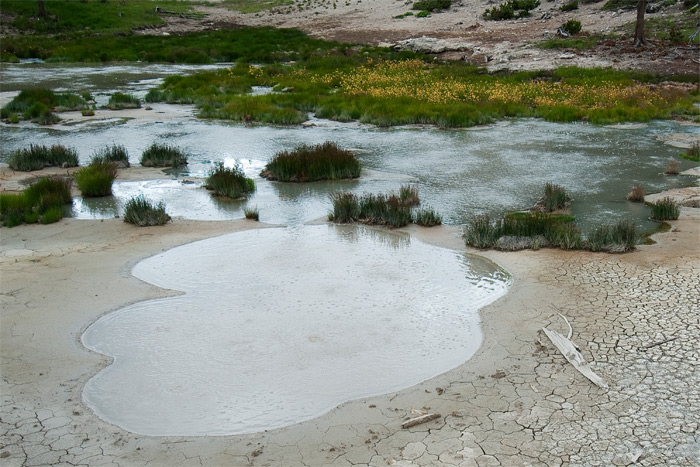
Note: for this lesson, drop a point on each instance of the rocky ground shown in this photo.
(466, 35)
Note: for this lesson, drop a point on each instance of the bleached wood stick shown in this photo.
(573, 356)
(419, 420)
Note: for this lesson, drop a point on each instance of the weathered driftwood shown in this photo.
(419, 420)
(573, 356)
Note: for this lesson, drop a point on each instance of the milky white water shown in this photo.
(277, 326)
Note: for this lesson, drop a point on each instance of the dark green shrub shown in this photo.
(620, 4)
(423, 14)
(37, 157)
(310, 163)
(481, 232)
(96, 179)
(116, 153)
(163, 155)
(230, 182)
(142, 212)
(665, 209)
(119, 100)
(427, 217)
(430, 5)
(572, 26)
(570, 6)
(511, 9)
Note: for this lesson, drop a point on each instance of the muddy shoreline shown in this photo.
(515, 402)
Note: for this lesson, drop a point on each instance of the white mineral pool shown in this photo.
(277, 326)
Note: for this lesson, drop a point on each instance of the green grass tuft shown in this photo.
(37, 157)
(163, 155)
(307, 163)
(116, 153)
(427, 217)
(143, 213)
(613, 238)
(119, 101)
(554, 199)
(42, 201)
(431, 5)
(230, 182)
(665, 209)
(251, 213)
(96, 179)
(692, 153)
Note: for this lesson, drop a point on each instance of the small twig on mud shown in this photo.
(649, 346)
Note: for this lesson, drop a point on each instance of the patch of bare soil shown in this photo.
(495, 44)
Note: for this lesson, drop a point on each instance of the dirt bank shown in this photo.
(517, 402)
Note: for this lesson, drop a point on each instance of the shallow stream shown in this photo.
(280, 325)
(459, 173)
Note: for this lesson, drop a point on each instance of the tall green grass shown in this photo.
(379, 209)
(143, 212)
(37, 157)
(163, 155)
(119, 101)
(555, 198)
(613, 238)
(116, 153)
(229, 181)
(665, 209)
(42, 202)
(308, 163)
(96, 179)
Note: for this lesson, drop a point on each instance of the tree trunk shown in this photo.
(639, 40)
(42, 10)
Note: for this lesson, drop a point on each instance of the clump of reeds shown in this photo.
(251, 213)
(307, 163)
(229, 181)
(672, 168)
(616, 238)
(116, 153)
(96, 179)
(637, 193)
(37, 157)
(119, 100)
(370, 209)
(142, 212)
(408, 194)
(346, 208)
(427, 217)
(665, 209)
(554, 199)
(481, 232)
(163, 155)
(692, 153)
(40, 202)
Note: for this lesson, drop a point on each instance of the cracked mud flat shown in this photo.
(517, 402)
